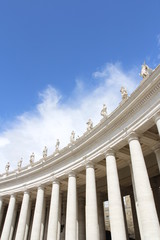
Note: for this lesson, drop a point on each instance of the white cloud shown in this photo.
(54, 119)
(4, 141)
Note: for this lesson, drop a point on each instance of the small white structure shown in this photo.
(104, 111)
(89, 125)
(72, 137)
(45, 150)
(7, 167)
(57, 146)
(32, 158)
(145, 70)
(19, 165)
(124, 93)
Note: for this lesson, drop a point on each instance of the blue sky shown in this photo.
(57, 56)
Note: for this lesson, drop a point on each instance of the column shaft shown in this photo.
(13, 225)
(36, 228)
(71, 216)
(1, 204)
(59, 217)
(28, 221)
(9, 217)
(135, 218)
(147, 212)
(23, 217)
(43, 220)
(53, 214)
(1, 210)
(92, 227)
(114, 196)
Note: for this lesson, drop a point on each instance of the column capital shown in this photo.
(41, 186)
(26, 191)
(71, 174)
(89, 164)
(13, 195)
(110, 152)
(132, 136)
(157, 117)
(55, 181)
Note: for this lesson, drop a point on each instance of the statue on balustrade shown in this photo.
(104, 111)
(20, 164)
(89, 125)
(145, 70)
(57, 146)
(32, 158)
(7, 167)
(72, 137)
(124, 94)
(45, 150)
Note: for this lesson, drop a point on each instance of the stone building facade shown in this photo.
(61, 196)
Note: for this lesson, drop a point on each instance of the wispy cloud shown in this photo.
(52, 118)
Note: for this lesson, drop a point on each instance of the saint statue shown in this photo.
(124, 94)
(20, 164)
(89, 125)
(145, 70)
(7, 167)
(45, 152)
(57, 146)
(72, 137)
(32, 158)
(104, 111)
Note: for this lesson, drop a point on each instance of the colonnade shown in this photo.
(84, 216)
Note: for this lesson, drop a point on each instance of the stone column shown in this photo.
(157, 121)
(147, 211)
(71, 216)
(117, 223)
(125, 217)
(92, 227)
(81, 219)
(136, 202)
(59, 217)
(101, 217)
(1, 210)
(157, 153)
(36, 227)
(13, 225)
(53, 214)
(135, 219)
(43, 220)
(23, 217)
(9, 217)
(28, 221)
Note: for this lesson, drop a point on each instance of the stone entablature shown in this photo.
(135, 114)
